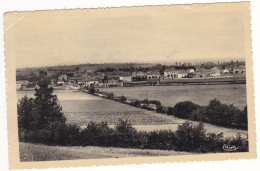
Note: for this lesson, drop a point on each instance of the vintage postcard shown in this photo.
(128, 85)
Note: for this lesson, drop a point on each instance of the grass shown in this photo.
(199, 94)
(36, 152)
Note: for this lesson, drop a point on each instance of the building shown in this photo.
(170, 73)
(126, 78)
(239, 70)
(182, 74)
(63, 77)
(151, 75)
(94, 82)
(113, 82)
(21, 85)
(76, 80)
(215, 72)
(191, 71)
(60, 82)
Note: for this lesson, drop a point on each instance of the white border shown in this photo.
(23, 5)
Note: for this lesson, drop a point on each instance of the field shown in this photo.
(33, 152)
(81, 108)
(133, 117)
(200, 94)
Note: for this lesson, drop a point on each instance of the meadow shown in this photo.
(199, 94)
(38, 152)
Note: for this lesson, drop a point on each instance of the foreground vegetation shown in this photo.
(39, 152)
(41, 121)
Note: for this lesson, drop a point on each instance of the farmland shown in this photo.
(36, 152)
(133, 117)
(81, 108)
(200, 94)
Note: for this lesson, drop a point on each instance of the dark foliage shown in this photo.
(184, 109)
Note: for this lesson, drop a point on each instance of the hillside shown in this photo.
(33, 152)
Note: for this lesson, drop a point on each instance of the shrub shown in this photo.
(156, 102)
(92, 90)
(184, 109)
(126, 135)
(221, 114)
(123, 99)
(170, 111)
(137, 103)
(190, 137)
(160, 109)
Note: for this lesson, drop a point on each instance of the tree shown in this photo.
(41, 112)
(46, 108)
(184, 109)
(24, 108)
(123, 99)
(92, 90)
(160, 109)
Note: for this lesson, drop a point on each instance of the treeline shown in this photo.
(215, 112)
(41, 121)
(188, 137)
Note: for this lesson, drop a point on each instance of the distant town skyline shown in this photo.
(156, 35)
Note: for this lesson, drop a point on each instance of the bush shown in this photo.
(137, 103)
(221, 114)
(170, 111)
(92, 90)
(123, 99)
(126, 135)
(156, 102)
(184, 109)
(163, 139)
(160, 109)
(190, 137)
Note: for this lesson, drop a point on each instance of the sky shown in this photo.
(151, 34)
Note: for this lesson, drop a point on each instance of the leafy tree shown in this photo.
(123, 99)
(184, 109)
(159, 109)
(190, 137)
(46, 109)
(170, 111)
(92, 90)
(24, 108)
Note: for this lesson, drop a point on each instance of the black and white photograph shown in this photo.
(115, 83)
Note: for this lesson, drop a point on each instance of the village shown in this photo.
(80, 78)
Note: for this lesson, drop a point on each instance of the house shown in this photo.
(113, 82)
(182, 74)
(126, 78)
(94, 82)
(191, 71)
(215, 72)
(153, 78)
(225, 71)
(153, 75)
(200, 72)
(76, 80)
(19, 85)
(139, 76)
(170, 73)
(52, 81)
(63, 77)
(60, 82)
(239, 70)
